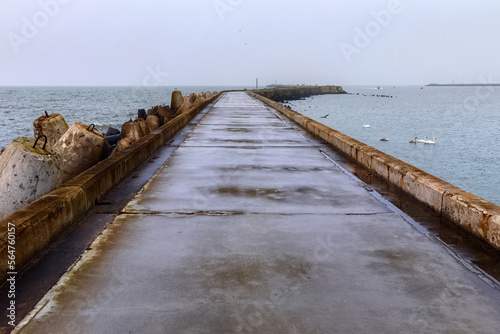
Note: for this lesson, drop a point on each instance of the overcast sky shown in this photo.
(233, 42)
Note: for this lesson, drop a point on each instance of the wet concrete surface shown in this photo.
(251, 227)
(34, 282)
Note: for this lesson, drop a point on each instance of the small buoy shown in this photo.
(29, 169)
(80, 149)
(53, 126)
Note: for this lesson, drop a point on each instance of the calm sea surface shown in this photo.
(465, 121)
(103, 106)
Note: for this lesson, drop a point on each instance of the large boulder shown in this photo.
(80, 148)
(200, 98)
(153, 122)
(192, 98)
(185, 107)
(177, 100)
(53, 126)
(27, 172)
(144, 126)
(123, 144)
(132, 129)
(164, 113)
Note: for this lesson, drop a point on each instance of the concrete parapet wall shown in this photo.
(39, 223)
(297, 92)
(473, 213)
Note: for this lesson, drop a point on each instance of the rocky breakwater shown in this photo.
(38, 224)
(28, 170)
(297, 92)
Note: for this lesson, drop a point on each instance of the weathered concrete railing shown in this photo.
(473, 213)
(39, 223)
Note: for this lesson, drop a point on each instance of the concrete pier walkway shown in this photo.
(249, 228)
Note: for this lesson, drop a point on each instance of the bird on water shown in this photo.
(366, 125)
(433, 141)
(422, 140)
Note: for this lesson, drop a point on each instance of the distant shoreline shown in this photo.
(464, 85)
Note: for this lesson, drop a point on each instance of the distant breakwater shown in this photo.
(297, 92)
(464, 85)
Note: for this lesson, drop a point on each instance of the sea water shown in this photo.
(102, 106)
(464, 120)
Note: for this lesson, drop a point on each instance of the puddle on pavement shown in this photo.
(243, 130)
(254, 272)
(271, 193)
(278, 169)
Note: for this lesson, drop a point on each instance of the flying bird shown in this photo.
(325, 116)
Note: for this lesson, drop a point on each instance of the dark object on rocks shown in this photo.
(112, 131)
(107, 149)
(113, 139)
(141, 114)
